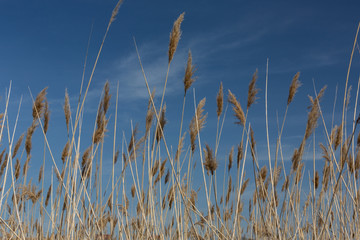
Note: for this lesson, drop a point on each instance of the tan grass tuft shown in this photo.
(175, 36)
(116, 156)
(228, 193)
(252, 90)
(86, 163)
(180, 147)
(253, 143)
(17, 145)
(26, 165)
(220, 100)
(295, 84)
(17, 169)
(210, 162)
(238, 112)
(167, 176)
(197, 123)
(316, 180)
(133, 189)
(3, 165)
(46, 116)
(38, 106)
(239, 154)
(66, 151)
(67, 110)
(107, 96)
(190, 70)
(41, 170)
(263, 173)
(338, 137)
(313, 114)
(243, 187)
(231, 158)
(115, 11)
(160, 128)
(30, 132)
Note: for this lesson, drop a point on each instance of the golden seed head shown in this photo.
(231, 158)
(252, 90)
(175, 36)
(220, 100)
(67, 110)
(38, 106)
(295, 84)
(210, 162)
(190, 70)
(197, 123)
(238, 112)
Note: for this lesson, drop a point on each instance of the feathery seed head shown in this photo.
(210, 162)
(67, 110)
(175, 36)
(238, 112)
(190, 70)
(252, 90)
(295, 84)
(220, 100)
(38, 106)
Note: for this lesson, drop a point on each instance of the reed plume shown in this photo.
(220, 100)
(295, 84)
(67, 110)
(210, 162)
(252, 90)
(238, 112)
(197, 123)
(38, 106)
(17, 145)
(189, 72)
(175, 36)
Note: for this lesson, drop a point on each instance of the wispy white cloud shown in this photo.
(154, 59)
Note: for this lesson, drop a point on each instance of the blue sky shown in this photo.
(43, 43)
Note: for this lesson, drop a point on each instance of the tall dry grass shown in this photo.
(150, 192)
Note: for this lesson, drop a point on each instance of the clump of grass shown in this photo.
(153, 193)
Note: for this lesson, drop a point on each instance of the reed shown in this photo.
(156, 192)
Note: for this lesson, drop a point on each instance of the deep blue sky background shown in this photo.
(43, 43)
